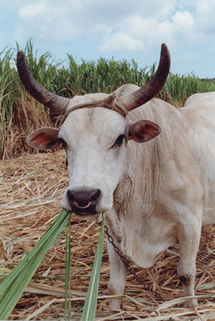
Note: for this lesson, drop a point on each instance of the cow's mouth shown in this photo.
(88, 209)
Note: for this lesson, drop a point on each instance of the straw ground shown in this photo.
(30, 190)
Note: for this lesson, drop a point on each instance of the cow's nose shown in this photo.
(83, 201)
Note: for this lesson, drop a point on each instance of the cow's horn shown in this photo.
(152, 88)
(57, 104)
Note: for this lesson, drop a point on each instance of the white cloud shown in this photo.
(121, 41)
(50, 19)
(182, 28)
(119, 24)
(32, 10)
(149, 32)
(115, 28)
(12, 4)
(205, 16)
(183, 20)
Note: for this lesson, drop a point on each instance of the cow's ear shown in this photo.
(44, 138)
(143, 131)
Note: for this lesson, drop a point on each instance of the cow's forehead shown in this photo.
(86, 99)
(93, 121)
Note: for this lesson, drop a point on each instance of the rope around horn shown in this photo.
(110, 103)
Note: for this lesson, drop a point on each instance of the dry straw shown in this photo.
(30, 191)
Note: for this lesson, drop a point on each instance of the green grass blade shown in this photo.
(57, 224)
(13, 286)
(90, 304)
(68, 273)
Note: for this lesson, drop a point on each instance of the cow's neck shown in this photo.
(137, 199)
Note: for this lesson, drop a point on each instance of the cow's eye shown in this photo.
(63, 143)
(119, 141)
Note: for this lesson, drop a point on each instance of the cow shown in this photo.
(148, 165)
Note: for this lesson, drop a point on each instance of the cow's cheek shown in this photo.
(105, 203)
(64, 201)
(109, 184)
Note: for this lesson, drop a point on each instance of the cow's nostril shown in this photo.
(70, 195)
(95, 195)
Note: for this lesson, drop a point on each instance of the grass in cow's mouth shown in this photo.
(12, 287)
(67, 309)
(89, 311)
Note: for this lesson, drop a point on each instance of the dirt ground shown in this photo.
(30, 191)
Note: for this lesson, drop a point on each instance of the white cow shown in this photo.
(157, 191)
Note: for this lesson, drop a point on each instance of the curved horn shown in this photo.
(152, 88)
(57, 104)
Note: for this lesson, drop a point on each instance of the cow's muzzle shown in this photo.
(84, 202)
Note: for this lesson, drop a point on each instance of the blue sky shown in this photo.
(122, 29)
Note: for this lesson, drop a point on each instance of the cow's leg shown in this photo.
(189, 238)
(116, 284)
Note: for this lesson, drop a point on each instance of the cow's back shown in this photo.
(207, 98)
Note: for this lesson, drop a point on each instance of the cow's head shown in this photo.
(94, 139)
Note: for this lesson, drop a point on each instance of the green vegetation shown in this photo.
(90, 304)
(12, 287)
(20, 114)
